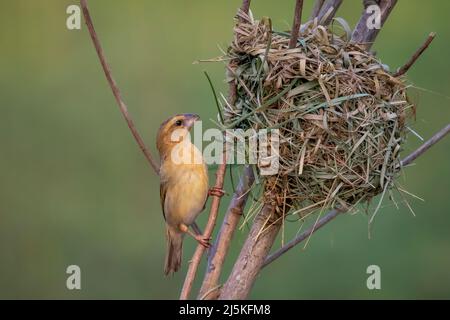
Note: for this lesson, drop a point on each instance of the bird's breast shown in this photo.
(187, 190)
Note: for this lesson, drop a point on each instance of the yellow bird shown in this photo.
(183, 185)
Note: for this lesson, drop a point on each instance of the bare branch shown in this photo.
(296, 24)
(328, 11)
(317, 6)
(219, 251)
(303, 236)
(334, 213)
(362, 34)
(252, 256)
(196, 258)
(416, 55)
(115, 88)
(427, 145)
(220, 175)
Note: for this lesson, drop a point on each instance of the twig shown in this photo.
(219, 251)
(296, 24)
(362, 34)
(416, 55)
(220, 175)
(223, 241)
(316, 9)
(115, 88)
(252, 256)
(334, 213)
(328, 11)
(304, 235)
(427, 145)
(196, 258)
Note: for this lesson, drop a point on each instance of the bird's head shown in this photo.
(174, 130)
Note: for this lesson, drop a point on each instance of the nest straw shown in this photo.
(341, 115)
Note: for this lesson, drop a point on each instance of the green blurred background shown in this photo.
(75, 189)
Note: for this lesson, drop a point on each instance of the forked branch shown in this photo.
(255, 250)
(219, 250)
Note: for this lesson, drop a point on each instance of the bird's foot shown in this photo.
(203, 241)
(217, 192)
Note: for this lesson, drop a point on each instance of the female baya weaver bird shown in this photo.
(183, 185)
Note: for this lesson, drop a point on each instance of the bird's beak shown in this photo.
(190, 119)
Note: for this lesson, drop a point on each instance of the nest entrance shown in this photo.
(340, 113)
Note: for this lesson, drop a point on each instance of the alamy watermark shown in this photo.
(242, 147)
(73, 281)
(73, 21)
(374, 17)
(374, 280)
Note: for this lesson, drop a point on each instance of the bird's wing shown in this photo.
(162, 194)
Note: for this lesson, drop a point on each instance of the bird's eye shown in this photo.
(178, 123)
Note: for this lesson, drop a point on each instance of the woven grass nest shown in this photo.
(342, 116)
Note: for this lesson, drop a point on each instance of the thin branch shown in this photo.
(362, 34)
(334, 213)
(296, 24)
(427, 145)
(219, 250)
(256, 248)
(328, 11)
(223, 241)
(303, 236)
(220, 175)
(196, 258)
(416, 55)
(115, 88)
(316, 9)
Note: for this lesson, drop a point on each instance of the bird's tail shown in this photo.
(174, 251)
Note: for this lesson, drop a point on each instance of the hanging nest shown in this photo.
(342, 117)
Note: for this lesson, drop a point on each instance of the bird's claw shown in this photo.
(203, 241)
(216, 192)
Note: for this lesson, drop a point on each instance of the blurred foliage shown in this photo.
(75, 189)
